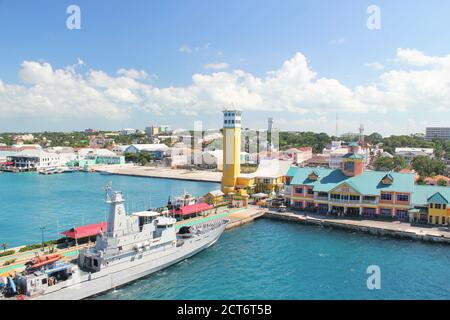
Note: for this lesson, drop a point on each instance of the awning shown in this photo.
(194, 208)
(86, 231)
(260, 195)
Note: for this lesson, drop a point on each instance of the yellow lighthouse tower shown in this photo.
(231, 149)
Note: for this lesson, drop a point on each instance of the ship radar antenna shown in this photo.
(107, 188)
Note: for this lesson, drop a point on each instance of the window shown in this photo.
(298, 204)
(310, 191)
(298, 190)
(431, 206)
(335, 196)
(266, 181)
(430, 219)
(386, 196)
(385, 212)
(444, 206)
(437, 206)
(95, 263)
(403, 197)
(354, 198)
(44, 281)
(443, 220)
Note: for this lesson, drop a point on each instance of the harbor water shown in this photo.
(262, 260)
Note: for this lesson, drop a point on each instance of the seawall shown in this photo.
(376, 228)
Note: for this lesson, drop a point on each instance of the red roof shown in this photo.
(86, 231)
(194, 208)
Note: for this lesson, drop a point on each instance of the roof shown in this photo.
(147, 214)
(423, 193)
(216, 193)
(86, 231)
(353, 156)
(437, 198)
(367, 183)
(150, 147)
(194, 208)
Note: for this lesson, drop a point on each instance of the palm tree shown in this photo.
(4, 246)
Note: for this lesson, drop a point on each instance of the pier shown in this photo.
(162, 172)
(394, 229)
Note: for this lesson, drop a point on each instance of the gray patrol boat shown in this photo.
(133, 247)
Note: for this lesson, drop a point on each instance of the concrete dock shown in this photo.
(395, 229)
(162, 172)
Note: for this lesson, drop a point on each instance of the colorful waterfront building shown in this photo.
(351, 191)
(354, 191)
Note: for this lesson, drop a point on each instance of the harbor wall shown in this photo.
(376, 231)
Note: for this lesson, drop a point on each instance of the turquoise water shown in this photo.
(262, 260)
(280, 260)
(61, 201)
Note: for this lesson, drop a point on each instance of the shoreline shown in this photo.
(395, 230)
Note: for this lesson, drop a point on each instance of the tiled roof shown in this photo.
(437, 198)
(423, 193)
(368, 183)
(353, 156)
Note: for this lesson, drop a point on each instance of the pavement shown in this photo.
(163, 172)
(361, 222)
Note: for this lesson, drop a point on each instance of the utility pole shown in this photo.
(42, 231)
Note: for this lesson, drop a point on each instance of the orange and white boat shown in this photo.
(40, 261)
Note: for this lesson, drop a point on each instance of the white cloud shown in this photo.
(375, 65)
(216, 66)
(132, 73)
(185, 49)
(54, 93)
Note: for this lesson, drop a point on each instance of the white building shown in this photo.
(410, 153)
(128, 131)
(156, 147)
(120, 150)
(37, 159)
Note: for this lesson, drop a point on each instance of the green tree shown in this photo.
(442, 183)
(427, 167)
(384, 164)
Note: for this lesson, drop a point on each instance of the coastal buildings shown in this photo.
(353, 191)
(156, 150)
(297, 155)
(410, 153)
(30, 160)
(442, 133)
(128, 132)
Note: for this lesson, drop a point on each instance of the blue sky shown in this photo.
(171, 41)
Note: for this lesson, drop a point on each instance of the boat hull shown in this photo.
(129, 271)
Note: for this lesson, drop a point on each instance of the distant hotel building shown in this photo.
(442, 133)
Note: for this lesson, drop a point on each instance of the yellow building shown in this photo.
(214, 198)
(232, 149)
(438, 210)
